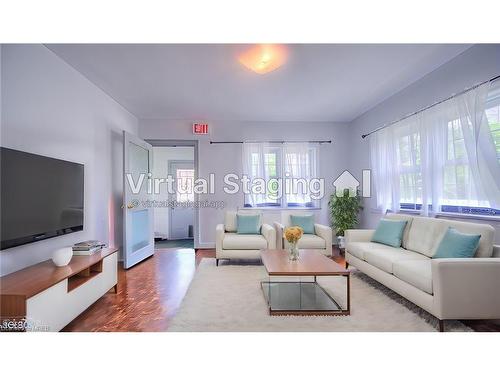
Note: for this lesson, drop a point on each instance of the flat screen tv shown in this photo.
(41, 197)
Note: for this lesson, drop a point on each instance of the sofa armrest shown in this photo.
(325, 232)
(269, 234)
(496, 251)
(359, 235)
(219, 237)
(466, 288)
(279, 235)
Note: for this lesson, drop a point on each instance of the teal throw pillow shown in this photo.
(306, 222)
(457, 245)
(389, 232)
(248, 224)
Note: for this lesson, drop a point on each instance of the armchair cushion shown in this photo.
(311, 241)
(230, 220)
(248, 224)
(306, 222)
(234, 241)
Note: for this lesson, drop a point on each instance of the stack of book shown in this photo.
(87, 247)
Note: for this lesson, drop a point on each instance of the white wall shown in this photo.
(49, 108)
(161, 157)
(477, 64)
(226, 158)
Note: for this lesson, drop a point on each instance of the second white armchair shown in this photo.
(320, 240)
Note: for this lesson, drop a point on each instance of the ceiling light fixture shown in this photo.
(263, 58)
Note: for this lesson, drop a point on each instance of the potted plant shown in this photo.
(344, 212)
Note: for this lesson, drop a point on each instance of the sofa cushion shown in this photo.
(311, 241)
(389, 232)
(485, 248)
(358, 248)
(384, 258)
(233, 241)
(425, 234)
(457, 245)
(415, 272)
(402, 217)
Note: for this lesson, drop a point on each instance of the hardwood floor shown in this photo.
(150, 293)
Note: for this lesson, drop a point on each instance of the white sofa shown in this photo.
(231, 245)
(321, 240)
(455, 288)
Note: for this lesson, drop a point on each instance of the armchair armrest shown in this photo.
(496, 251)
(466, 288)
(279, 235)
(219, 237)
(325, 232)
(270, 235)
(358, 235)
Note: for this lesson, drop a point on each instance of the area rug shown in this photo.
(230, 298)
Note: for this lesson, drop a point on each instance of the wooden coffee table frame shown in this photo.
(310, 263)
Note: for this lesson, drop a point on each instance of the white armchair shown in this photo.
(231, 245)
(320, 240)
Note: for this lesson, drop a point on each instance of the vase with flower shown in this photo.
(293, 235)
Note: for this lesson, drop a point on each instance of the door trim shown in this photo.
(185, 143)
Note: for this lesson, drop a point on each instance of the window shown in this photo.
(287, 170)
(410, 177)
(445, 159)
(185, 185)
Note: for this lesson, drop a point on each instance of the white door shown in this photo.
(182, 214)
(138, 236)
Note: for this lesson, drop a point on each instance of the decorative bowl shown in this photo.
(62, 256)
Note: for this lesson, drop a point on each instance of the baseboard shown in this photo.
(205, 245)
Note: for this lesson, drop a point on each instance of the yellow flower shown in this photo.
(293, 234)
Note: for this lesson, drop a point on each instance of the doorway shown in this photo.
(175, 212)
(181, 218)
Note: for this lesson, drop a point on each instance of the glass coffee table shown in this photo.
(292, 288)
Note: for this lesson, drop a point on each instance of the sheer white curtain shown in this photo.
(254, 166)
(479, 144)
(445, 155)
(299, 169)
(382, 153)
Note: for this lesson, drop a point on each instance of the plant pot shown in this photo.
(341, 242)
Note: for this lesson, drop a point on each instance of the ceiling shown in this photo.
(318, 82)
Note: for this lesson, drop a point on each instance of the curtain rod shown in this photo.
(429, 106)
(225, 142)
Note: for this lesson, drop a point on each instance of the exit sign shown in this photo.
(200, 128)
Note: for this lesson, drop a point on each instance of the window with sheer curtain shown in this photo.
(444, 159)
(279, 165)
